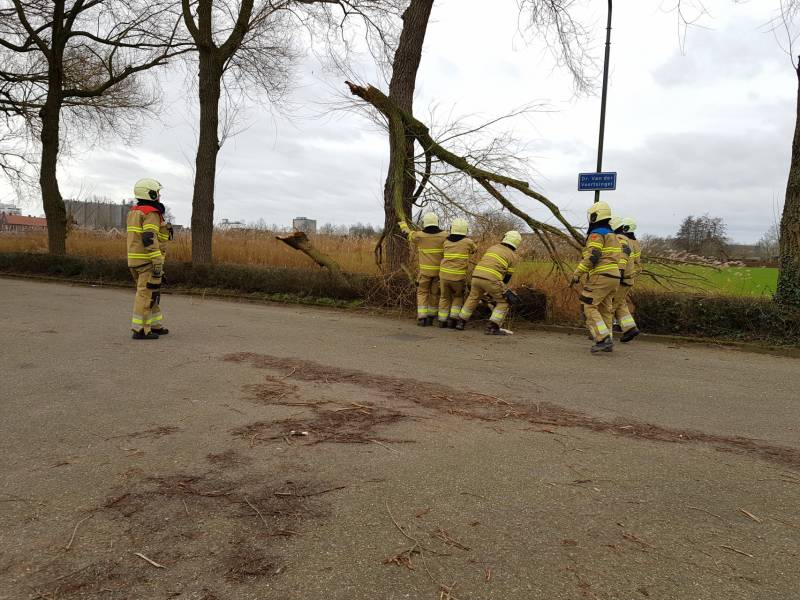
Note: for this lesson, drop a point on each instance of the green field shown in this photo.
(740, 281)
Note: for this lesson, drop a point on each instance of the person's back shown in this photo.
(490, 277)
(457, 251)
(429, 243)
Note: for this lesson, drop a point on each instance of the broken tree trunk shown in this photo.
(402, 124)
(299, 241)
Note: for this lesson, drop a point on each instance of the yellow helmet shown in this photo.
(459, 227)
(599, 211)
(430, 219)
(616, 223)
(146, 189)
(512, 238)
(629, 224)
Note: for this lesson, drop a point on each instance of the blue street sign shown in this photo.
(589, 182)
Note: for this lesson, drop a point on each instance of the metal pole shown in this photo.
(603, 101)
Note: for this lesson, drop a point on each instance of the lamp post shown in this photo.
(603, 101)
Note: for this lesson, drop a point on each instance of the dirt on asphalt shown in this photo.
(242, 471)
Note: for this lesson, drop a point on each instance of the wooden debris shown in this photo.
(444, 536)
(258, 512)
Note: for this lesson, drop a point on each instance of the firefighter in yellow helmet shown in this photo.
(429, 243)
(600, 266)
(629, 266)
(458, 249)
(491, 276)
(145, 259)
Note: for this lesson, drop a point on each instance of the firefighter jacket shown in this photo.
(144, 226)
(456, 259)
(430, 249)
(625, 260)
(497, 264)
(634, 267)
(601, 255)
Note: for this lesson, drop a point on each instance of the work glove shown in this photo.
(403, 226)
(158, 271)
(576, 279)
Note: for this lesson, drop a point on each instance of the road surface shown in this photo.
(265, 451)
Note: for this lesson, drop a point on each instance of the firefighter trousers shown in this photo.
(427, 295)
(492, 288)
(147, 296)
(622, 312)
(451, 300)
(597, 297)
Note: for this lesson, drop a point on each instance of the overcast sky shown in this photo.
(708, 129)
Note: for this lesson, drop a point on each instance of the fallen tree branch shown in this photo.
(299, 241)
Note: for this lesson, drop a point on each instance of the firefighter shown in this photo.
(490, 277)
(600, 265)
(145, 259)
(458, 249)
(629, 266)
(429, 243)
(165, 235)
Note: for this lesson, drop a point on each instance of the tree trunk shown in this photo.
(299, 241)
(52, 201)
(210, 80)
(50, 115)
(788, 292)
(406, 62)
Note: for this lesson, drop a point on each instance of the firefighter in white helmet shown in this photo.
(600, 267)
(491, 277)
(630, 267)
(429, 243)
(145, 258)
(458, 249)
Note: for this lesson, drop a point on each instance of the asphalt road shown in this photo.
(168, 450)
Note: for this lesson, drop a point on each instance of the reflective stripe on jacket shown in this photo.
(498, 262)
(430, 249)
(456, 259)
(143, 220)
(601, 254)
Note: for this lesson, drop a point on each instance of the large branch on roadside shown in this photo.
(299, 241)
(401, 123)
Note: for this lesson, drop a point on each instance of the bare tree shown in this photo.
(80, 60)
(246, 48)
(788, 290)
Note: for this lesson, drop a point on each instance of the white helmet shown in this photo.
(430, 219)
(147, 189)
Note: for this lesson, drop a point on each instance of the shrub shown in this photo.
(742, 318)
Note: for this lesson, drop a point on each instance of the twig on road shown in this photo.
(75, 530)
(750, 515)
(732, 549)
(708, 512)
(150, 560)
(258, 512)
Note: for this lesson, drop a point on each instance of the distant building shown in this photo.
(10, 209)
(227, 224)
(304, 225)
(20, 224)
(98, 214)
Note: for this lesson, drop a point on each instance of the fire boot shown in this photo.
(442, 324)
(629, 335)
(423, 322)
(607, 345)
(141, 335)
(430, 321)
(493, 329)
(160, 331)
(451, 323)
(460, 324)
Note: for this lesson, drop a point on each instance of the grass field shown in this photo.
(260, 248)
